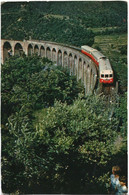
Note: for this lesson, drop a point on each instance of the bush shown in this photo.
(68, 145)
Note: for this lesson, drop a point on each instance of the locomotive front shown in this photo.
(105, 71)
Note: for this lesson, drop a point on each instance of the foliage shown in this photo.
(64, 22)
(60, 151)
(123, 49)
(121, 113)
(46, 28)
(28, 83)
(36, 83)
(120, 73)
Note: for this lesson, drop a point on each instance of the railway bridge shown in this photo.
(67, 56)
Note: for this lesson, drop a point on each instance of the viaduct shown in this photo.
(67, 56)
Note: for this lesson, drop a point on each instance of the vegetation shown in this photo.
(51, 144)
(64, 22)
(35, 83)
(56, 150)
(54, 139)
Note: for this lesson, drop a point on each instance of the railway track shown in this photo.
(111, 98)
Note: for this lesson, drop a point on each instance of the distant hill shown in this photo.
(65, 22)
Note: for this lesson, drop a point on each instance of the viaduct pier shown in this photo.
(67, 56)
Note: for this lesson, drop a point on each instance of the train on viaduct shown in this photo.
(63, 55)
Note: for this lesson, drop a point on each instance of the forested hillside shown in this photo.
(65, 22)
(54, 139)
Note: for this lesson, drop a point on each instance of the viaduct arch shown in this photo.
(67, 56)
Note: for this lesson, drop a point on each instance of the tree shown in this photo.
(28, 84)
(66, 147)
(36, 83)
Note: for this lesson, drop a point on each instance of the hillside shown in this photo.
(65, 22)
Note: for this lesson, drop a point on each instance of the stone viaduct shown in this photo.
(67, 56)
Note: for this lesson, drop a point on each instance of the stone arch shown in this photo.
(65, 59)
(42, 51)
(80, 68)
(70, 64)
(91, 79)
(36, 49)
(94, 79)
(7, 50)
(75, 65)
(48, 53)
(18, 50)
(54, 55)
(88, 80)
(84, 73)
(30, 50)
(59, 58)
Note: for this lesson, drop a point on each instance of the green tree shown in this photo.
(121, 113)
(66, 148)
(36, 83)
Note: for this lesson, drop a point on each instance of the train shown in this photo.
(102, 62)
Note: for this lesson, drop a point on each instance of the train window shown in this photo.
(102, 75)
(106, 75)
(110, 75)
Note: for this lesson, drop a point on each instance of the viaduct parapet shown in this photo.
(66, 56)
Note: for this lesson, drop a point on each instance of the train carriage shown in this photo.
(103, 63)
(88, 51)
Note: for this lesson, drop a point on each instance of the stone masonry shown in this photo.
(67, 56)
